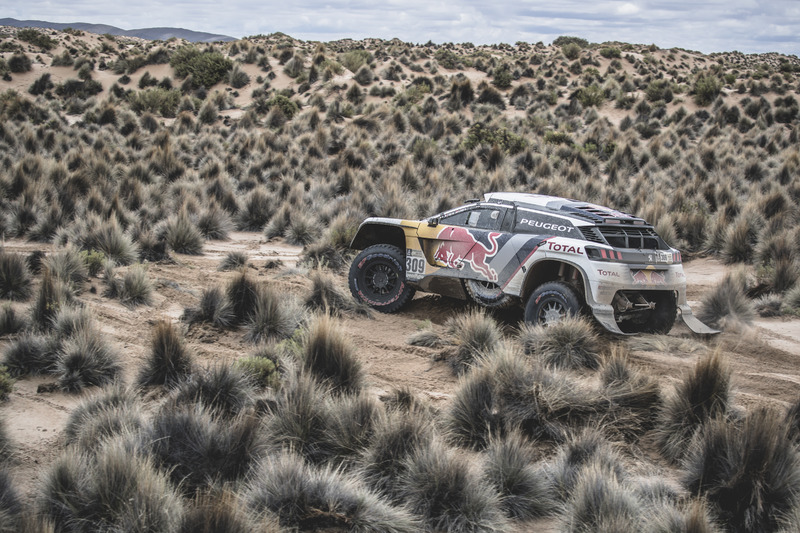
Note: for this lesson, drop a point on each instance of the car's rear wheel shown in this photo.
(550, 303)
(487, 294)
(377, 277)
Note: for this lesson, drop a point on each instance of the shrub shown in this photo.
(238, 78)
(19, 63)
(256, 211)
(286, 105)
(611, 52)
(86, 360)
(119, 489)
(169, 362)
(571, 343)
(198, 451)
(36, 38)
(274, 317)
(571, 51)
(446, 493)
(364, 75)
(242, 293)
(15, 278)
(726, 305)
(264, 371)
(302, 230)
(354, 59)
(307, 498)
(222, 389)
(502, 77)
(476, 335)
(591, 96)
(52, 296)
(234, 260)
(155, 100)
(331, 358)
(41, 85)
(214, 308)
(479, 134)
(94, 260)
(706, 88)
(108, 237)
(206, 68)
(750, 474)
(703, 395)
(508, 468)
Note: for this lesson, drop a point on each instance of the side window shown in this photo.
(481, 218)
(457, 219)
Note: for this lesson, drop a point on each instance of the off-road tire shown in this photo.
(378, 278)
(487, 294)
(660, 320)
(551, 302)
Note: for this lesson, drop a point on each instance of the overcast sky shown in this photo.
(711, 26)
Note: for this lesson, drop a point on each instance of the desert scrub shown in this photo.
(169, 361)
(206, 67)
(100, 418)
(213, 308)
(273, 317)
(475, 335)
(132, 289)
(570, 344)
(6, 386)
(15, 278)
(67, 266)
(234, 260)
(182, 236)
(264, 371)
(85, 360)
(11, 322)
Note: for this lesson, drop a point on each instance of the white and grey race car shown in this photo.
(553, 255)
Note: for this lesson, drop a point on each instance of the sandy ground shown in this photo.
(764, 358)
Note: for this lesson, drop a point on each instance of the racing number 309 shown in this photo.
(415, 265)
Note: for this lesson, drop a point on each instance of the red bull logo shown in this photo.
(649, 277)
(461, 247)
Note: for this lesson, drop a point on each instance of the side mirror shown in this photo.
(433, 222)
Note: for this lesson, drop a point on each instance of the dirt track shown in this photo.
(764, 358)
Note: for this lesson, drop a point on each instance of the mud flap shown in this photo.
(604, 314)
(693, 323)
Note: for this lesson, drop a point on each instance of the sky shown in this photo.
(749, 26)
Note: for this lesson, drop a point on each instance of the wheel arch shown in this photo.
(370, 233)
(546, 270)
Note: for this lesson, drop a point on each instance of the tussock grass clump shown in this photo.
(135, 287)
(589, 448)
(601, 503)
(233, 261)
(86, 360)
(51, 297)
(220, 510)
(11, 322)
(11, 507)
(476, 335)
(298, 417)
(68, 266)
(101, 418)
(108, 237)
(117, 490)
(726, 305)
(169, 361)
(703, 395)
(256, 211)
(7, 445)
(508, 467)
(6, 383)
(330, 357)
(426, 337)
(274, 317)
(199, 451)
(397, 437)
(214, 308)
(214, 223)
(749, 473)
(15, 278)
(328, 297)
(446, 493)
(242, 294)
(474, 415)
(308, 498)
(182, 235)
(350, 427)
(634, 397)
(571, 343)
(793, 421)
(29, 354)
(224, 390)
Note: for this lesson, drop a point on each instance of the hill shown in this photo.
(152, 34)
(176, 220)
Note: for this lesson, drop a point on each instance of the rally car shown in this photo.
(554, 256)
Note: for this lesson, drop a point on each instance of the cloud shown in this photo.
(712, 25)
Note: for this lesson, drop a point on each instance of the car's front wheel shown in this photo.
(377, 278)
(550, 303)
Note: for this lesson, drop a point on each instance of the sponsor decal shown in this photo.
(608, 273)
(566, 248)
(545, 225)
(649, 276)
(461, 247)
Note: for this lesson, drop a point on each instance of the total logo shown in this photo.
(565, 248)
(608, 273)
